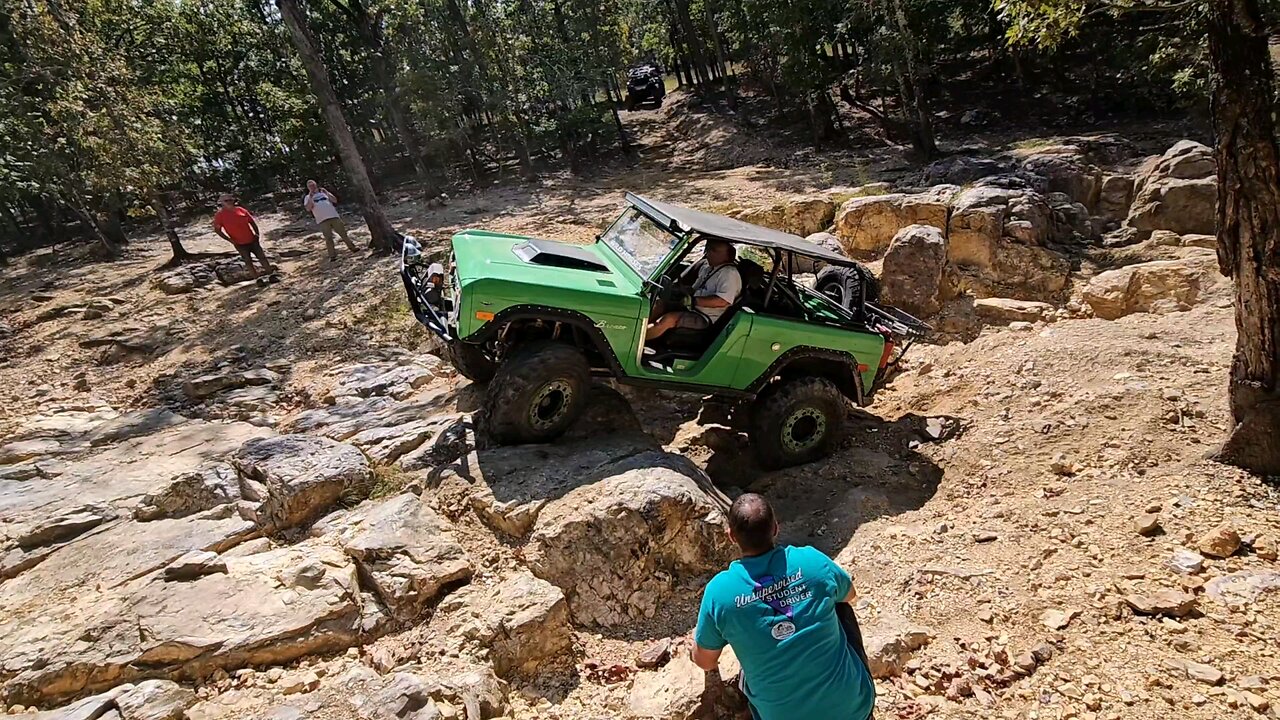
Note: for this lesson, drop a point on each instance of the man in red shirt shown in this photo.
(237, 226)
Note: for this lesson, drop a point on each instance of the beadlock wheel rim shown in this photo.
(550, 404)
(803, 430)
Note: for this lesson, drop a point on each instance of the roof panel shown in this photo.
(733, 230)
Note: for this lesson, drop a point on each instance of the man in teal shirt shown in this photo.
(777, 607)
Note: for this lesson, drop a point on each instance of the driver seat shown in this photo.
(688, 343)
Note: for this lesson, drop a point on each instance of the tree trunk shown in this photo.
(383, 237)
(913, 81)
(1248, 226)
(170, 229)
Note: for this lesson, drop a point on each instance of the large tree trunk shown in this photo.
(1248, 226)
(383, 237)
(170, 229)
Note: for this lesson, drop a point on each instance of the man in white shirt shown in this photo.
(717, 287)
(323, 206)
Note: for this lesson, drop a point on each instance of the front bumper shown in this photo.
(436, 307)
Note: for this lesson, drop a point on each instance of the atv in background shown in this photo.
(645, 84)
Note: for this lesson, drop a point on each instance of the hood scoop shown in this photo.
(558, 254)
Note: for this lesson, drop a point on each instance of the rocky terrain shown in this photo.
(225, 501)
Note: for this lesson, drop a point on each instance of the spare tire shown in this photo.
(849, 286)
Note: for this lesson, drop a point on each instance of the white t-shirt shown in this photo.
(723, 282)
(322, 209)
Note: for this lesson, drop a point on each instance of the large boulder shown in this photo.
(995, 242)
(824, 240)
(650, 522)
(294, 479)
(191, 492)
(867, 225)
(266, 609)
(1115, 197)
(962, 170)
(1178, 191)
(1068, 173)
(407, 554)
(443, 690)
(798, 217)
(911, 278)
(1161, 286)
(521, 623)
(508, 487)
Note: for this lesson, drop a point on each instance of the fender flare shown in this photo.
(848, 379)
(578, 320)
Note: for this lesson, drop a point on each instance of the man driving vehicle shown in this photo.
(716, 287)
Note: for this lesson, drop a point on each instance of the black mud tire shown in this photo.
(796, 421)
(845, 284)
(630, 103)
(471, 362)
(537, 394)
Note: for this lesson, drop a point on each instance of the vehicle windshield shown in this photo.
(640, 242)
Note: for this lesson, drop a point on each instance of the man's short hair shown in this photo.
(733, 252)
(751, 519)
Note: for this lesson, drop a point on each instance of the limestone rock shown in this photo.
(390, 379)
(507, 487)
(799, 217)
(962, 170)
(148, 700)
(649, 521)
(202, 489)
(175, 282)
(250, 615)
(203, 386)
(61, 528)
(16, 452)
(1006, 310)
(347, 418)
(1115, 197)
(995, 239)
(889, 644)
(1220, 542)
(675, 692)
(913, 265)
(408, 554)
(230, 272)
(1159, 287)
(133, 424)
(1068, 174)
(1199, 672)
(522, 621)
(194, 564)
(1186, 562)
(1177, 192)
(655, 655)
(388, 444)
(475, 691)
(868, 224)
(1243, 587)
(1147, 524)
(823, 240)
(296, 478)
(1173, 603)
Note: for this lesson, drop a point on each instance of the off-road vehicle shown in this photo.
(537, 319)
(645, 84)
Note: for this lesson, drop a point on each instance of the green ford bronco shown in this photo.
(537, 319)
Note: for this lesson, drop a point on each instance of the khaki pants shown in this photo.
(329, 227)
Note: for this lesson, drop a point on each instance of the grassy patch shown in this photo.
(868, 190)
(1035, 144)
(390, 318)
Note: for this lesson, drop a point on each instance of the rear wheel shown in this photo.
(471, 362)
(796, 421)
(631, 102)
(537, 393)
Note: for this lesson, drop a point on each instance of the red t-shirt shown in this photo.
(236, 222)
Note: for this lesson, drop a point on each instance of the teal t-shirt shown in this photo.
(778, 611)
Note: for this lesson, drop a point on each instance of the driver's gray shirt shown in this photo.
(723, 281)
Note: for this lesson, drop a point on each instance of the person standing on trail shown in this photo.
(236, 225)
(777, 608)
(323, 206)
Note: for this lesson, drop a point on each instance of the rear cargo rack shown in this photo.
(899, 323)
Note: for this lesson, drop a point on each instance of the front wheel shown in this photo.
(537, 393)
(471, 362)
(631, 102)
(796, 421)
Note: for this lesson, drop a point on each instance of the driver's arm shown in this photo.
(711, 301)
